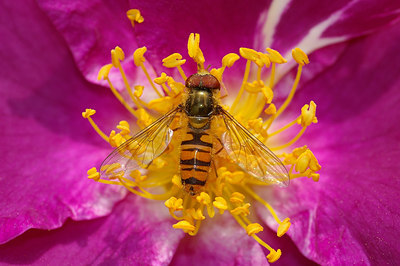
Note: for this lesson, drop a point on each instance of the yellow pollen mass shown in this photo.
(88, 113)
(173, 60)
(117, 55)
(229, 59)
(104, 71)
(236, 197)
(254, 228)
(308, 114)
(300, 57)
(194, 50)
(138, 90)
(93, 174)
(134, 16)
(283, 227)
(274, 255)
(204, 198)
(230, 183)
(275, 56)
(185, 226)
(242, 210)
(138, 56)
(174, 204)
(220, 203)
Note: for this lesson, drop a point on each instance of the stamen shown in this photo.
(134, 16)
(220, 204)
(175, 60)
(185, 226)
(195, 51)
(263, 202)
(103, 74)
(138, 59)
(161, 81)
(274, 255)
(244, 82)
(93, 174)
(254, 228)
(276, 58)
(302, 59)
(284, 128)
(87, 114)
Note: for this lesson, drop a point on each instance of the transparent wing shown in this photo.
(251, 154)
(139, 151)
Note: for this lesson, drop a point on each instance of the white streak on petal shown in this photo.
(270, 19)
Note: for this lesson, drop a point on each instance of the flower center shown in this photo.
(229, 187)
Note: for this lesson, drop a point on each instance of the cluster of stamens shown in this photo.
(230, 189)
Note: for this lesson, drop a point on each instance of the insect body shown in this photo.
(199, 109)
(196, 147)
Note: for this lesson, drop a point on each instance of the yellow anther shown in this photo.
(236, 177)
(104, 71)
(117, 55)
(308, 114)
(217, 73)
(283, 227)
(88, 113)
(176, 180)
(229, 59)
(124, 127)
(161, 105)
(110, 168)
(138, 90)
(274, 255)
(300, 57)
(196, 214)
(307, 160)
(134, 16)
(162, 79)
(115, 139)
(263, 60)
(185, 226)
(315, 177)
(174, 204)
(135, 174)
(176, 87)
(138, 56)
(242, 210)
(268, 94)
(254, 87)
(236, 197)
(93, 174)
(255, 124)
(174, 60)
(249, 54)
(254, 228)
(270, 110)
(220, 204)
(204, 198)
(144, 119)
(292, 157)
(195, 51)
(275, 56)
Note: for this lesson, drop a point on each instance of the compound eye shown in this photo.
(210, 82)
(202, 81)
(193, 81)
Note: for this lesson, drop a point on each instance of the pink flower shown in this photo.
(349, 216)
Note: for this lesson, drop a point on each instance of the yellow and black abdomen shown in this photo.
(195, 161)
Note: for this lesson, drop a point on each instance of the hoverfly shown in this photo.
(199, 109)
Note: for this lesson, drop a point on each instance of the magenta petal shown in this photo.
(136, 233)
(349, 216)
(46, 145)
(218, 242)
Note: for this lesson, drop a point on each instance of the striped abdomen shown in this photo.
(195, 159)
